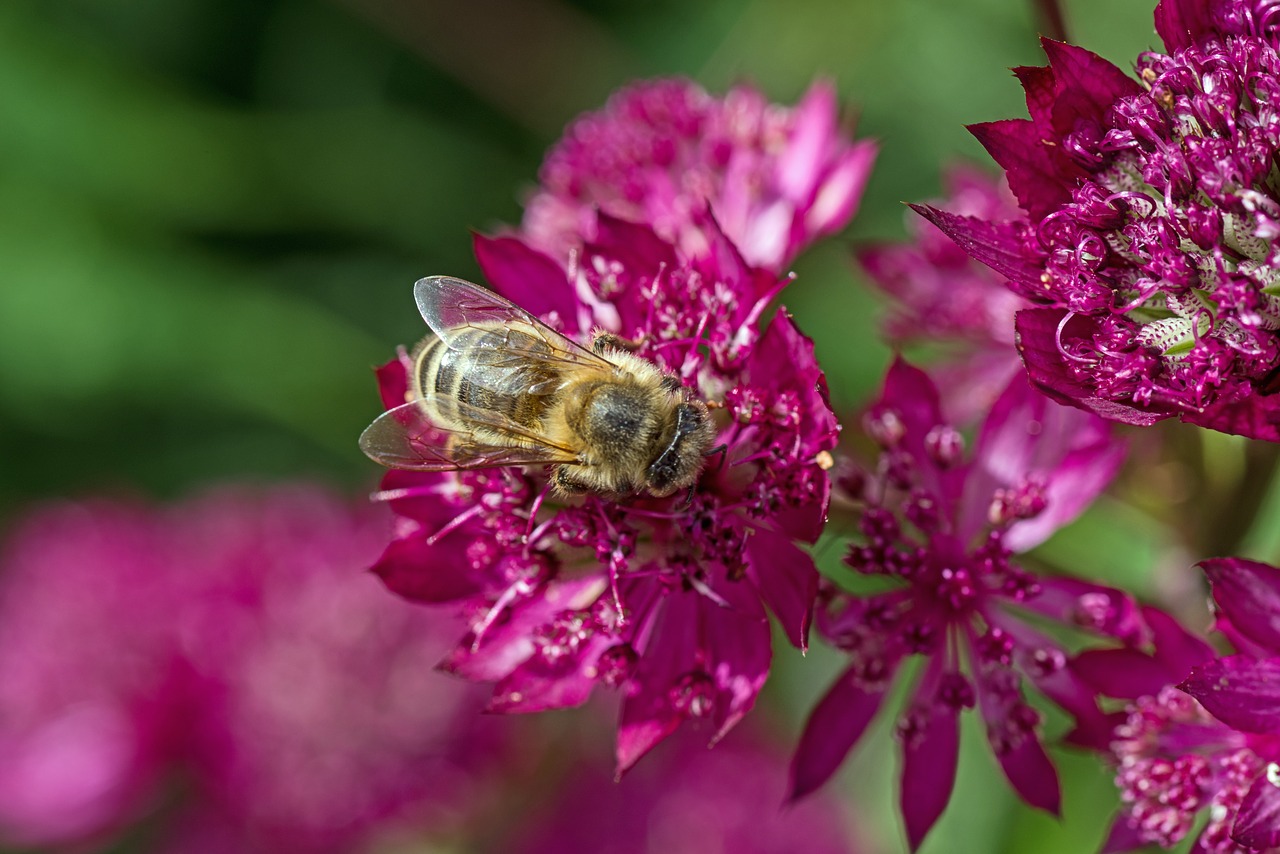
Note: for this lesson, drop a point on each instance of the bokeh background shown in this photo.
(212, 212)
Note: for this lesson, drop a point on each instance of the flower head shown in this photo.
(230, 643)
(1151, 214)
(1213, 742)
(942, 297)
(662, 599)
(662, 151)
(945, 526)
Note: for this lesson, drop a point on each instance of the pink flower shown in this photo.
(662, 151)
(232, 643)
(944, 527)
(661, 599)
(1213, 742)
(1150, 225)
(944, 299)
(88, 674)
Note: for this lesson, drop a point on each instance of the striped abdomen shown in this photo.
(485, 369)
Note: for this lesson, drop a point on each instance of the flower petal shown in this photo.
(1123, 673)
(1033, 172)
(1122, 837)
(995, 244)
(1257, 823)
(1032, 775)
(787, 581)
(1255, 417)
(1248, 594)
(834, 727)
(929, 773)
(1242, 692)
(527, 277)
(1182, 23)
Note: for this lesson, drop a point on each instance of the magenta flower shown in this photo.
(232, 646)
(663, 599)
(943, 298)
(726, 800)
(1150, 225)
(320, 725)
(1214, 744)
(662, 151)
(945, 528)
(87, 673)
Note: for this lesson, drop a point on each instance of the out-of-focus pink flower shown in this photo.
(662, 151)
(687, 801)
(944, 526)
(1213, 742)
(663, 599)
(1149, 237)
(231, 644)
(88, 676)
(944, 299)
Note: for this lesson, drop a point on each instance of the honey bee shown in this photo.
(496, 386)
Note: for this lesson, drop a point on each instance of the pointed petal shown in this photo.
(1177, 649)
(431, 574)
(1255, 417)
(1088, 85)
(1248, 594)
(1032, 775)
(1257, 823)
(812, 135)
(1242, 692)
(393, 379)
(1122, 837)
(995, 244)
(929, 773)
(787, 581)
(833, 728)
(1183, 23)
(1123, 673)
(1041, 88)
(527, 277)
(1034, 174)
(841, 189)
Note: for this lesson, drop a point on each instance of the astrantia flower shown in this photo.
(1212, 743)
(944, 527)
(228, 659)
(943, 298)
(660, 152)
(663, 599)
(725, 800)
(1152, 207)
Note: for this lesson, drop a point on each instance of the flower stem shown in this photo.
(1050, 15)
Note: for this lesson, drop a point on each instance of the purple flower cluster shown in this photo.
(226, 664)
(1152, 209)
(663, 600)
(944, 527)
(1213, 742)
(662, 151)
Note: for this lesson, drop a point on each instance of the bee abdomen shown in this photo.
(484, 369)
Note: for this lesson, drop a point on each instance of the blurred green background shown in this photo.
(212, 211)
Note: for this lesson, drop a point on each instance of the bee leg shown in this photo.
(602, 341)
(720, 450)
(565, 482)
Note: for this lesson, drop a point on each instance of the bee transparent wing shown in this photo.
(450, 306)
(405, 438)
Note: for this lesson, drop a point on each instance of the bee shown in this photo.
(495, 386)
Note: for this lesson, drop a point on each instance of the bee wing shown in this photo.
(405, 438)
(452, 305)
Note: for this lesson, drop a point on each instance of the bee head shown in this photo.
(677, 466)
